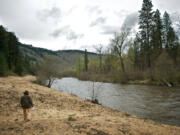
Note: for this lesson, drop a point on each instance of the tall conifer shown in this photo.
(145, 26)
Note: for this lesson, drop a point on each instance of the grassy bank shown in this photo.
(57, 113)
(128, 78)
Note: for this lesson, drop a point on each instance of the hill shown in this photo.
(68, 58)
(57, 113)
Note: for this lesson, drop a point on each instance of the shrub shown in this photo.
(136, 75)
(70, 118)
(123, 78)
(164, 68)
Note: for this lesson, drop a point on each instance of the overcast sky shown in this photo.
(73, 24)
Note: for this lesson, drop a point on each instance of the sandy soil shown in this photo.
(57, 113)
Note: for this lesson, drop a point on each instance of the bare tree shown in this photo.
(119, 43)
(95, 91)
(47, 70)
(99, 50)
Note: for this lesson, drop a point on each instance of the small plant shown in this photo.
(70, 118)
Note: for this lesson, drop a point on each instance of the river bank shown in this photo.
(59, 113)
(139, 82)
(123, 80)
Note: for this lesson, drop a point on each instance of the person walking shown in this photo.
(26, 104)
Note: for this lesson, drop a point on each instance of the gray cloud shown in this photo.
(169, 5)
(71, 10)
(131, 20)
(19, 16)
(100, 20)
(54, 13)
(60, 31)
(175, 17)
(121, 13)
(94, 9)
(109, 30)
(67, 32)
(73, 36)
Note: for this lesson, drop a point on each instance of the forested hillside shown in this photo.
(67, 58)
(19, 58)
(11, 60)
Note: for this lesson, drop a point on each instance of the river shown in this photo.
(161, 104)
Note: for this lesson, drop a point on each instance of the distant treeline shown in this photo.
(38, 50)
(11, 59)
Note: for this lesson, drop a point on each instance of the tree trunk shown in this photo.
(49, 84)
(122, 64)
(100, 63)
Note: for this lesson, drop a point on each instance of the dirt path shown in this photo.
(57, 113)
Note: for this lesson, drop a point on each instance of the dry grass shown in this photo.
(57, 113)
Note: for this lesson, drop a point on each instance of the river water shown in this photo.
(161, 104)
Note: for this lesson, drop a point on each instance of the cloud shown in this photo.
(175, 17)
(109, 30)
(50, 22)
(121, 13)
(94, 9)
(73, 36)
(67, 32)
(131, 20)
(60, 31)
(53, 13)
(100, 20)
(20, 17)
(169, 5)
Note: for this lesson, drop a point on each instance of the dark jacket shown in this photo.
(26, 102)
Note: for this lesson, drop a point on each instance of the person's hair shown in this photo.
(26, 92)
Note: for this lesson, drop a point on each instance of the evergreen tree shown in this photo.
(3, 41)
(10, 56)
(170, 39)
(19, 65)
(3, 65)
(166, 27)
(86, 60)
(157, 34)
(145, 26)
(13, 51)
(137, 52)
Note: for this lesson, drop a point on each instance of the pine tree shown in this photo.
(19, 65)
(13, 50)
(145, 26)
(137, 52)
(11, 58)
(157, 34)
(166, 27)
(3, 65)
(170, 39)
(3, 41)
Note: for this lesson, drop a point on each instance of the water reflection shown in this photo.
(161, 104)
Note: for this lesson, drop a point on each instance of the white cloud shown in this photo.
(100, 20)
(167, 5)
(58, 24)
(53, 13)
